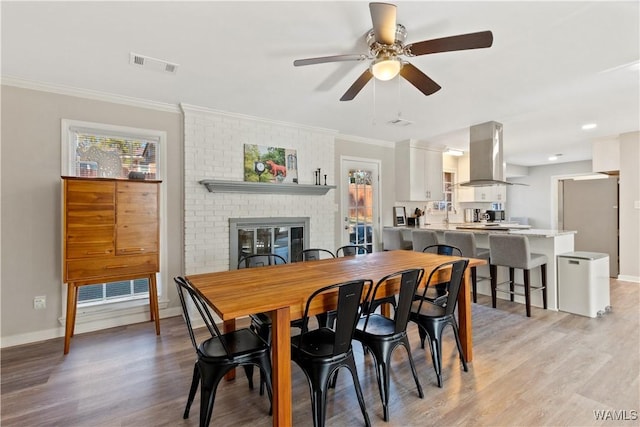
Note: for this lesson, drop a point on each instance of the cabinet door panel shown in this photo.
(137, 203)
(137, 238)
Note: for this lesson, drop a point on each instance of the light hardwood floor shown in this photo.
(552, 369)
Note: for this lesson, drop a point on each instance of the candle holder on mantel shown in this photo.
(325, 179)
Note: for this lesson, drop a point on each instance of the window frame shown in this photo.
(109, 309)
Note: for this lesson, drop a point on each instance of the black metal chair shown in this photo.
(438, 293)
(382, 335)
(350, 250)
(219, 354)
(261, 322)
(260, 260)
(442, 249)
(314, 254)
(321, 352)
(432, 318)
(326, 319)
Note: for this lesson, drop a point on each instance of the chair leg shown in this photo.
(248, 370)
(512, 282)
(423, 335)
(436, 354)
(265, 374)
(192, 390)
(351, 364)
(493, 272)
(382, 375)
(454, 325)
(474, 284)
(527, 291)
(413, 367)
(543, 277)
(208, 388)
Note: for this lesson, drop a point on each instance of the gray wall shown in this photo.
(534, 200)
(31, 218)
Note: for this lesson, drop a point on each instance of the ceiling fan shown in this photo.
(386, 46)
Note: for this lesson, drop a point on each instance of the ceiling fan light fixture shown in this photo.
(386, 67)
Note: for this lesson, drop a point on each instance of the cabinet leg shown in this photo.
(72, 299)
(153, 302)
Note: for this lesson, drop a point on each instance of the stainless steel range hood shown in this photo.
(486, 166)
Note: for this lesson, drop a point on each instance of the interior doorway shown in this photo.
(360, 211)
(590, 206)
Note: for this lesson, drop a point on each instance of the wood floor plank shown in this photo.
(551, 369)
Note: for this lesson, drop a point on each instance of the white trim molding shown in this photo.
(89, 94)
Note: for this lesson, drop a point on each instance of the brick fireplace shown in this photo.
(214, 149)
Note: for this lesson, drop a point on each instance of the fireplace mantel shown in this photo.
(217, 186)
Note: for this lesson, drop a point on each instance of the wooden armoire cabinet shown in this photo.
(111, 233)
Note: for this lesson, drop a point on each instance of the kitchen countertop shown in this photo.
(484, 228)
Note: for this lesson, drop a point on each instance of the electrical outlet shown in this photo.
(40, 302)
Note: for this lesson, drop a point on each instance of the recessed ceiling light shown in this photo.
(554, 157)
(589, 126)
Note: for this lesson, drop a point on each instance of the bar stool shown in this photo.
(466, 242)
(392, 239)
(423, 238)
(513, 251)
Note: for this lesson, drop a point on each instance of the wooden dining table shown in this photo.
(282, 290)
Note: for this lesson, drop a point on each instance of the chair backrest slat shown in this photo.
(453, 285)
(350, 250)
(442, 249)
(184, 287)
(260, 260)
(409, 281)
(314, 254)
(348, 303)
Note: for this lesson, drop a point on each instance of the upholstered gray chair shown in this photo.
(512, 251)
(392, 239)
(423, 238)
(466, 242)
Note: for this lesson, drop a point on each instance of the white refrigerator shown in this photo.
(583, 283)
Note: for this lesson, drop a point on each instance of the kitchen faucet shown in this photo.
(446, 210)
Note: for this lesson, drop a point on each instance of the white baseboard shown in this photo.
(97, 325)
(625, 278)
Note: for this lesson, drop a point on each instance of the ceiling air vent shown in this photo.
(399, 122)
(152, 63)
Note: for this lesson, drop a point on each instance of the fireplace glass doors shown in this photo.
(286, 237)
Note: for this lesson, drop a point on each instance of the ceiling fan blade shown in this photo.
(419, 79)
(383, 16)
(448, 44)
(335, 58)
(357, 86)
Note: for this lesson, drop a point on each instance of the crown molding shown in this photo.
(89, 94)
(188, 108)
(362, 140)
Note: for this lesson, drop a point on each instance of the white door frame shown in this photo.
(375, 165)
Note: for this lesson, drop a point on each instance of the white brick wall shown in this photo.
(214, 149)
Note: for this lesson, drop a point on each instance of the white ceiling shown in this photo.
(553, 66)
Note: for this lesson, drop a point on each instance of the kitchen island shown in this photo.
(543, 241)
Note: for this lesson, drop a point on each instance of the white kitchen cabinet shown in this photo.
(418, 173)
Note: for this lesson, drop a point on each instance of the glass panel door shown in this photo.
(361, 215)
